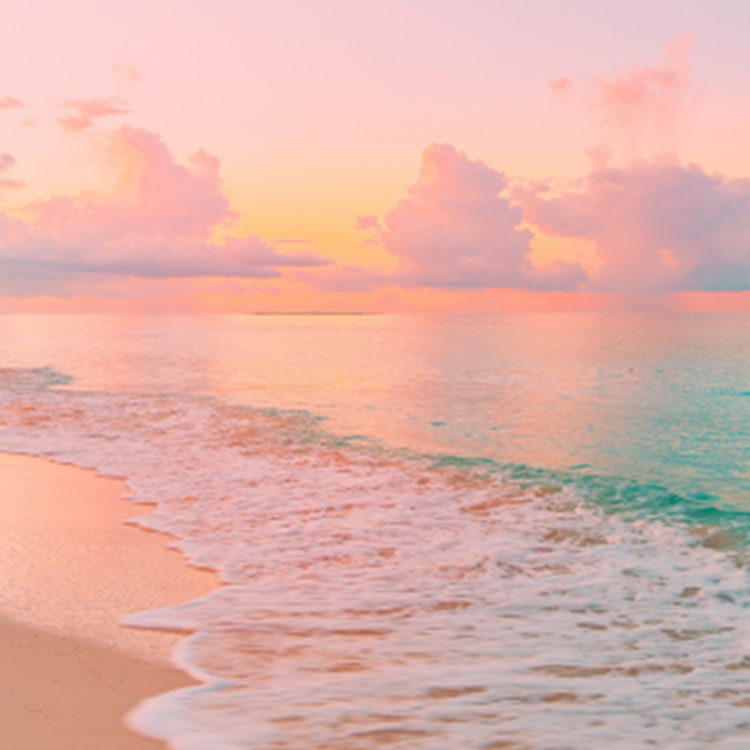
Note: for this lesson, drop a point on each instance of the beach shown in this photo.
(70, 570)
(451, 532)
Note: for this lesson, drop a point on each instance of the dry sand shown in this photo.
(70, 569)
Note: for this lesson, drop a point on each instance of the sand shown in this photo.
(70, 569)
(64, 693)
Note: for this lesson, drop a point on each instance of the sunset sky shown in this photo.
(242, 156)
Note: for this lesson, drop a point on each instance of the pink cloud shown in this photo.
(642, 100)
(6, 162)
(658, 226)
(456, 230)
(560, 85)
(599, 155)
(128, 72)
(10, 102)
(81, 113)
(155, 223)
(252, 252)
(153, 196)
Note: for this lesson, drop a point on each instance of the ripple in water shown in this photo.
(372, 600)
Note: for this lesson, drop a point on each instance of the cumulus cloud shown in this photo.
(658, 226)
(154, 195)
(10, 102)
(81, 113)
(454, 229)
(155, 223)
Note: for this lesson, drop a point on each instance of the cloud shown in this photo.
(638, 90)
(561, 84)
(657, 226)
(155, 223)
(153, 195)
(10, 102)
(454, 230)
(68, 254)
(644, 103)
(6, 162)
(128, 73)
(252, 252)
(81, 113)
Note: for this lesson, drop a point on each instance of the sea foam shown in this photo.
(371, 597)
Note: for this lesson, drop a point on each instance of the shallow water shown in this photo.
(501, 531)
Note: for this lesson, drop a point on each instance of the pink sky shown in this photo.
(431, 154)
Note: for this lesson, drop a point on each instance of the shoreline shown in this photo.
(70, 570)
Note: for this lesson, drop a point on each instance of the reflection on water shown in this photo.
(375, 596)
(657, 397)
(371, 599)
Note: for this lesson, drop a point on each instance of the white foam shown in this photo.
(370, 599)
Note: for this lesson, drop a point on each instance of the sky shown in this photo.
(354, 155)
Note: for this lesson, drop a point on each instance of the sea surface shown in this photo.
(433, 532)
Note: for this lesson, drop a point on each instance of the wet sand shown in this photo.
(64, 693)
(70, 570)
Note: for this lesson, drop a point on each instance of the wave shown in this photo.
(372, 596)
(37, 378)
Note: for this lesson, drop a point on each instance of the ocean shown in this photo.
(432, 531)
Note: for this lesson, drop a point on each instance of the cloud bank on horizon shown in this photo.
(656, 225)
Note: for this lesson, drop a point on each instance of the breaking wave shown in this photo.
(377, 597)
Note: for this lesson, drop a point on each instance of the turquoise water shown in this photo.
(434, 531)
(662, 398)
